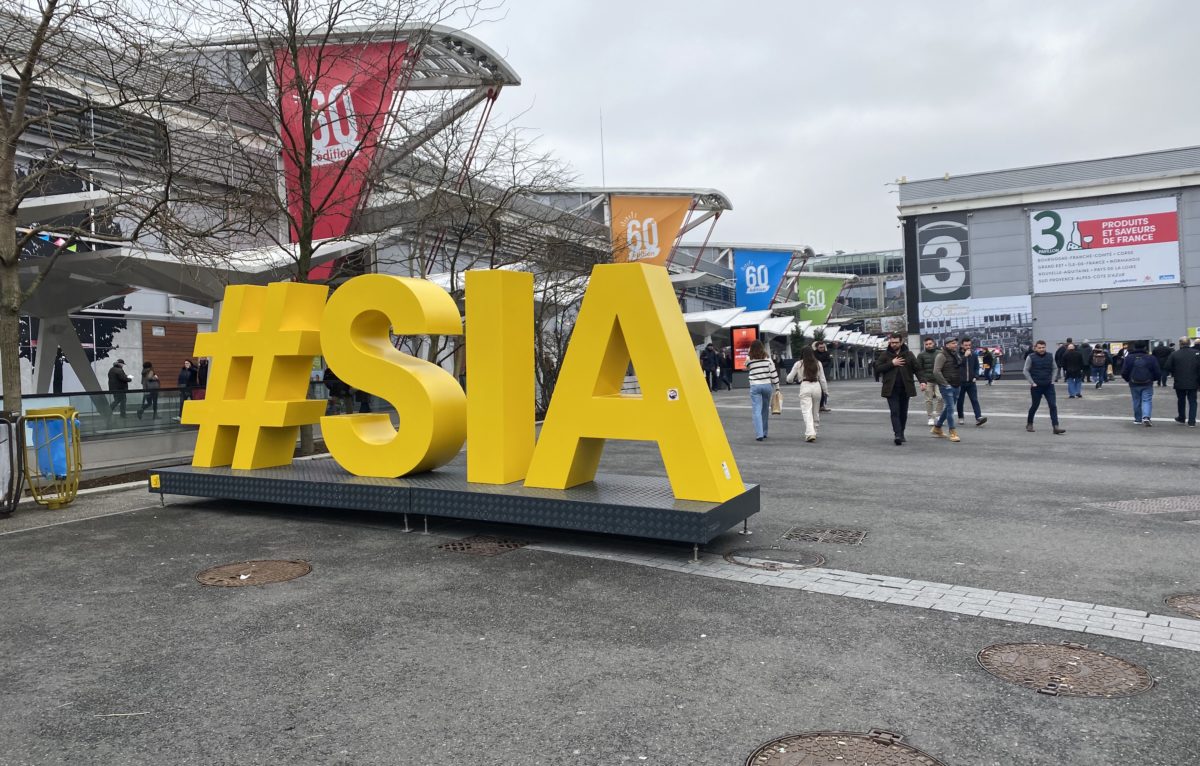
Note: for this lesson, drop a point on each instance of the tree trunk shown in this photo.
(10, 334)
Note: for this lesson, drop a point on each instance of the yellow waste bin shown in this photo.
(53, 459)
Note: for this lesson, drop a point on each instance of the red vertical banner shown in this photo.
(350, 88)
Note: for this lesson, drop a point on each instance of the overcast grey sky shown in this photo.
(801, 112)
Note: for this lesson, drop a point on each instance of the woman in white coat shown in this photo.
(811, 375)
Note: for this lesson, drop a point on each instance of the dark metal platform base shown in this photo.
(637, 506)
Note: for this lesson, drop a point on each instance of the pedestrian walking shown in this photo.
(1072, 368)
(186, 381)
(947, 366)
(1100, 361)
(764, 382)
(1141, 371)
(1160, 353)
(150, 386)
(118, 384)
(1118, 360)
(969, 373)
(897, 369)
(1039, 372)
(709, 362)
(1058, 355)
(811, 375)
(726, 372)
(1184, 366)
(988, 363)
(933, 399)
(821, 351)
(340, 400)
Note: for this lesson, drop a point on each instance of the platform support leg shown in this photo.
(426, 524)
(406, 527)
(695, 553)
(745, 528)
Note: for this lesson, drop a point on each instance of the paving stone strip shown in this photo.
(1116, 622)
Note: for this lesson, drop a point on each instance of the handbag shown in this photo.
(777, 402)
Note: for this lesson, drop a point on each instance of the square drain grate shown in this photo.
(818, 535)
(1175, 504)
(483, 545)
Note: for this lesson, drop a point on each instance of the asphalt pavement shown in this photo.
(392, 651)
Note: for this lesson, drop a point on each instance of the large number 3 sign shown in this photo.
(942, 254)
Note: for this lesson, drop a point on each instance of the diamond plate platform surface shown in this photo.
(639, 506)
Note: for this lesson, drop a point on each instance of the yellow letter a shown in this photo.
(630, 313)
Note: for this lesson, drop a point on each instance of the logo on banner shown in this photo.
(644, 229)
(758, 280)
(759, 274)
(641, 239)
(335, 134)
(815, 298)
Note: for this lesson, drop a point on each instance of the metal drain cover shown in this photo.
(245, 573)
(774, 559)
(1188, 603)
(483, 545)
(843, 748)
(837, 536)
(1065, 670)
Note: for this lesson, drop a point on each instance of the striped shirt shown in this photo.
(762, 371)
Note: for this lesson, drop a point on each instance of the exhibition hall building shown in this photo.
(1104, 250)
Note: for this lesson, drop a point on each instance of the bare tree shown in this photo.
(486, 209)
(82, 96)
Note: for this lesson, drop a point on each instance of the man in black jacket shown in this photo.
(1161, 353)
(969, 371)
(1072, 368)
(1184, 365)
(709, 362)
(118, 384)
(896, 367)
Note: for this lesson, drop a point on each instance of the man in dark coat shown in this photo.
(709, 362)
(1141, 371)
(118, 384)
(897, 368)
(1184, 365)
(1161, 353)
(1072, 364)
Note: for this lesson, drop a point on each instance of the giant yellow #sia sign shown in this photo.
(262, 351)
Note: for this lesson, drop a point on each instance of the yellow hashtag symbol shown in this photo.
(257, 394)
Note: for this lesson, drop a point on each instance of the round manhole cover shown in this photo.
(1065, 670)
(843, 748)
(1188, 603)
(253, 573)
(774, 559)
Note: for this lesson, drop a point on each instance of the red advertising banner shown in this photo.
(351, 88)
(743, 338)
(1130, 230)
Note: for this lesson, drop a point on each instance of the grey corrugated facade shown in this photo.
(997, 209)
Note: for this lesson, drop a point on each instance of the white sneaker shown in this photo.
(931, 422)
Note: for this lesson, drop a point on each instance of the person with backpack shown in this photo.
(1141, 372)
(988, 363)
(1184, 367)
(1099, 361)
